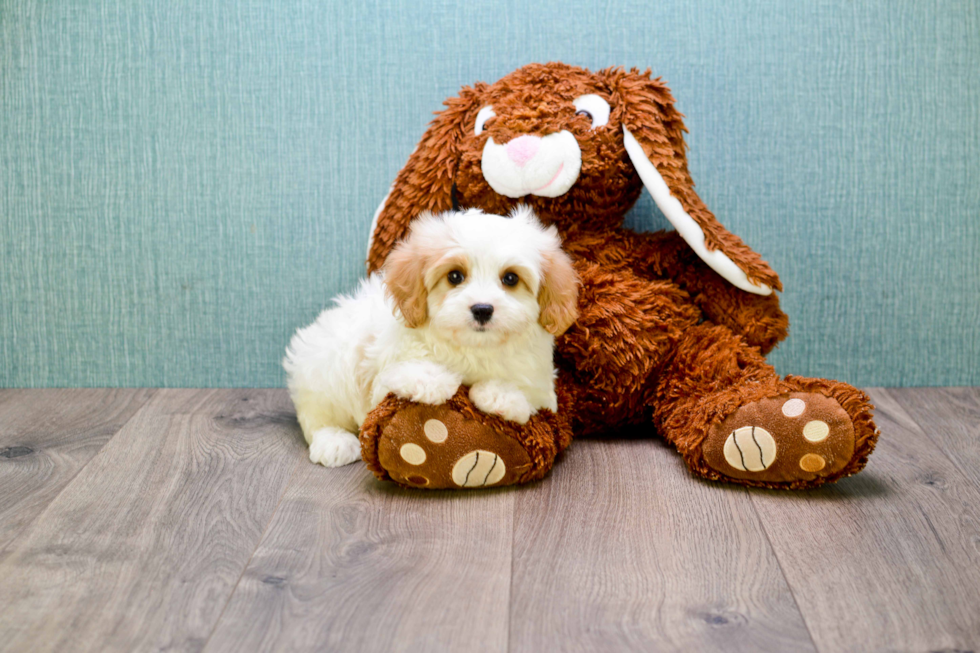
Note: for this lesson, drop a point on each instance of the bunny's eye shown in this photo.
(594, 108)
(485, 114)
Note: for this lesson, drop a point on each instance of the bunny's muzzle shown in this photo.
(546, 166)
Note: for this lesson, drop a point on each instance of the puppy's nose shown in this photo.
(482, 312)
(522, 149)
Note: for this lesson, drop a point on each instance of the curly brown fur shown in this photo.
(660, 336)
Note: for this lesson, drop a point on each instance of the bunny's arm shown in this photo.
(665, 256)
(757, 318)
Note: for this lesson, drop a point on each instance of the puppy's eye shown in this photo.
(455, 277)
(510, 279)
(485, 114)
(594, 108)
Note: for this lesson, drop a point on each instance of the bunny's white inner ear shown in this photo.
(381, 207)
(374, 224)
(685, 225)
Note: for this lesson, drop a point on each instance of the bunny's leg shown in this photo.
(733, 418)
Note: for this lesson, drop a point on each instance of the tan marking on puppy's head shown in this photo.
(410, 266)
(558, 294)
(443, 264)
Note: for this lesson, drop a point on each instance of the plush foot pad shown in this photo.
(795, 437)
(435, 447)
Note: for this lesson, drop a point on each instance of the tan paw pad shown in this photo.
(413, 454)
(812, 462)
(436, 431)
(478, 469)
(816, 431)
(794, 407)
(750, 448)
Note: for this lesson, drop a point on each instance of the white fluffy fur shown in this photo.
(346, 362)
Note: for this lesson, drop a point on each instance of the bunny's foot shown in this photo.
(453, 445)
(793, 440)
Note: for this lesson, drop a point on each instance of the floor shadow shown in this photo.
(391, 489)
(866, 485)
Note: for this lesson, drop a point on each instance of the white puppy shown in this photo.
(467, 298)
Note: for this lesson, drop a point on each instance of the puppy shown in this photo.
(467, 298)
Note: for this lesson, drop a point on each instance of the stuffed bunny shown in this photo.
(672, 327)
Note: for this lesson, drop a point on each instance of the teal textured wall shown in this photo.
(182, 184)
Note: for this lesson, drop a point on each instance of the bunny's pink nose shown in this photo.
(522, 149)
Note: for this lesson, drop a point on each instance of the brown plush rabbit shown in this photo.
(672, 327)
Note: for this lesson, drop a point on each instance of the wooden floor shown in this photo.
(192, 520)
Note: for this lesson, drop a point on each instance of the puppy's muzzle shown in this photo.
(482, 312)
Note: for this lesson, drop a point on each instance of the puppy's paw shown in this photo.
(503, 399)
(424, 382)
(333, 447)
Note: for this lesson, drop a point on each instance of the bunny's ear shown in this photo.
(653, 132)
(426, 181)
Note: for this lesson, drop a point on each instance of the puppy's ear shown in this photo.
(653, 132)
(558, 294)
(404, 272)
(425, 183)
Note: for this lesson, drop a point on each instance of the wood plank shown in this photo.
(46, 437)
(143, 548)
(188, 401)
(353, 564)
(621, 549)
(950, 417)
(888, 559)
